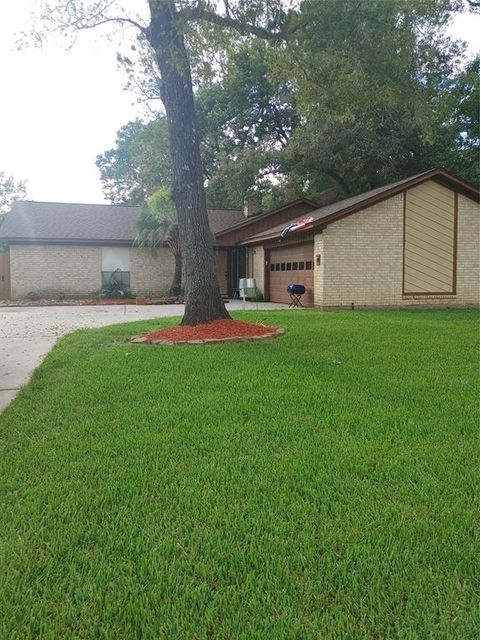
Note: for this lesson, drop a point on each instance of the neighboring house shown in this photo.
(73, 249)
(412, 242)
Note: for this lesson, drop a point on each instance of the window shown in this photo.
(294, 266)
(289, 266)
(308, 265)
(272, 267)
(301, 266)
(277, 267)
(116, 280)
(282, 266)
(116, 269)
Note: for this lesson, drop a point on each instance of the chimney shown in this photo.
(251, 206)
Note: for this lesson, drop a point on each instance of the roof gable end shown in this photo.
(331, 213)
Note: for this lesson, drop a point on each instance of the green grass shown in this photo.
(322, 485)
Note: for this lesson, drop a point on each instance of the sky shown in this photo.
(60, 108)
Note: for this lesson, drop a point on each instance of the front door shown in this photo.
(237, 267)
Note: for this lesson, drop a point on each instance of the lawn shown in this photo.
(322, 485)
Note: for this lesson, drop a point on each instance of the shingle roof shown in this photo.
(330, 213)
(251, 220)
(221, 219)
(56, 221)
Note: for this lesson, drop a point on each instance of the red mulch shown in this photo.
(216, 330)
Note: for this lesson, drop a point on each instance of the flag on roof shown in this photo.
(296, 226)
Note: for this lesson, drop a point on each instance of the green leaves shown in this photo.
(10, 190)
(138, 164)
(358, 95)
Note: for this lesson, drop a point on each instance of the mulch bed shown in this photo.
(216, 331)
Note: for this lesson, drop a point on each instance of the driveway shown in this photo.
(28, 333)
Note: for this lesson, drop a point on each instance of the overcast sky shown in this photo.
(59, 108)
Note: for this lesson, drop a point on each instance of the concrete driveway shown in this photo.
(28, 333)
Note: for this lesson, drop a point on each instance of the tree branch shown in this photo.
(75, 16)
(81, 27)
(199, 13)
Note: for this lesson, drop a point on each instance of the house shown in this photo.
(73, 249)
(415, 241)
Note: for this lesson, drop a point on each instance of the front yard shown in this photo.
(322, 485)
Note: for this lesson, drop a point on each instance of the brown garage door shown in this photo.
(291, 265)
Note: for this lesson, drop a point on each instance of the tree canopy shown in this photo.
(356, 94)
(10, 190)
(139, 164)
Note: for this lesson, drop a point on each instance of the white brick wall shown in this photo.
(362, 258)
(49, 270)
(468, 250)
(151, 271)
(52, 269)
(318, 270)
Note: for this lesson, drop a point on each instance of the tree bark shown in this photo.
(176, 287)
(203, 301)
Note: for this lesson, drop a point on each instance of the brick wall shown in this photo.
(151, 271)
(468, 250)
(53, 269)
(318, 269)
(49, 270)
(362, 259)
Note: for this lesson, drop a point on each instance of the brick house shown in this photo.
(415, 241)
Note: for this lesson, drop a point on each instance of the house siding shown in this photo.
(259, 268)
(76, 270)
(151, 271)
(54, 269)
(362, 259)
(318, 269)
(429, 256)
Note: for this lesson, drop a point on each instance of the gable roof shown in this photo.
(32, 221)
(222, 219)
(267, 214)
(332, 212)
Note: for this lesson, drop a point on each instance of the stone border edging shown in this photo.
(141, 339)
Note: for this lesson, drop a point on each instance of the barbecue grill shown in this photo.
(295, 291)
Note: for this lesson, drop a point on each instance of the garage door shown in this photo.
(291, 265)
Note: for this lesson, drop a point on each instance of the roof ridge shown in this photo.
(83, 204)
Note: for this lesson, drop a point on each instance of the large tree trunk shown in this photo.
(203, 301)
(176, 287)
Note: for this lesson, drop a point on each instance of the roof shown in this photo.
(222, 219)
(87, 223)
(332, 212)
(261, 216)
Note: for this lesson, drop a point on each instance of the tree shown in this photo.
(10, 190)
(459, 149)
(158, 225)
(139, 164)
(372, 86)
(165, 31)
(277, 120)
(245, 118)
